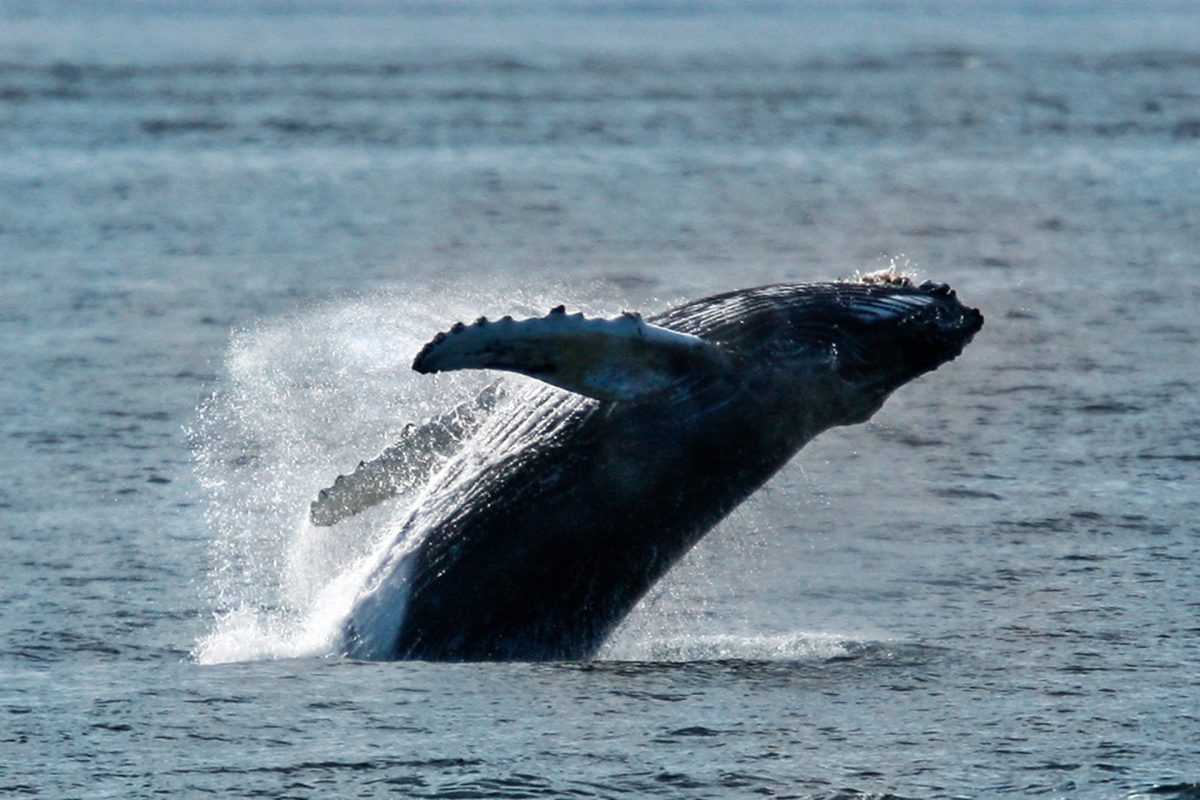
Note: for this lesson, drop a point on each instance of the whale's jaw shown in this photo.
(923, 327)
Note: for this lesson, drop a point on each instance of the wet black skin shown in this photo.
(550, 549)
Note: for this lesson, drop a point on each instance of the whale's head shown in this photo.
(885, 330)
(852, 342)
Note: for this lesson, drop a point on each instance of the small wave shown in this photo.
(797, 646)
(1178, 791)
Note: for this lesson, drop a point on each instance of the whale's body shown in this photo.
(539, 552)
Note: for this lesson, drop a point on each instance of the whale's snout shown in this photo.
(972, 322)
(953, 317)
(945, 326)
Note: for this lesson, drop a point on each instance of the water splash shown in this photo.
(306, 397)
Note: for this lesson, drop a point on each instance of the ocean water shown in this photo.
(225, 229)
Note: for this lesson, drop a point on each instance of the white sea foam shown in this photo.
(794, 646)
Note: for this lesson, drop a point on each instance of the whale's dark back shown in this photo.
(540, 553)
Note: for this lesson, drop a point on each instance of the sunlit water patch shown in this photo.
(1031, 512)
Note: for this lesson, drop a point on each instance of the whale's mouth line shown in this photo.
(880, 384)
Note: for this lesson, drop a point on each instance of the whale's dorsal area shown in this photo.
(625, 358)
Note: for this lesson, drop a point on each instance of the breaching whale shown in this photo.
(665, 426)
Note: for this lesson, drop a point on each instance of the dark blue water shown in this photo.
(224, 233)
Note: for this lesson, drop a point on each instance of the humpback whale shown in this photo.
(654, 430)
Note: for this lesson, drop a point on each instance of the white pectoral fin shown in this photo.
(609, 359)
(404, 465)
(369, 484)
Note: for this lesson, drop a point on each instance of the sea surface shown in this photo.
(225, 229)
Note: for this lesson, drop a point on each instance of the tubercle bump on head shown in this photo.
(886, 277)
